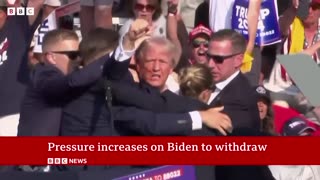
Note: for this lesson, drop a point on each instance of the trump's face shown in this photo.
(156, 66)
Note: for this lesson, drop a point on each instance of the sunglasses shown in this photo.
(73, 55)
(196, 44)
(315, 6)
(141, 7)
(220, 59)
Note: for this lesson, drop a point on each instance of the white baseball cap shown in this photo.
(54, 3)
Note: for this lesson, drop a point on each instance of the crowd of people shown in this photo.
(175, 68)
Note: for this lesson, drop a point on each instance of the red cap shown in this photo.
(199, 30)
(315, 2)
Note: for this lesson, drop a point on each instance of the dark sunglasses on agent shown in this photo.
(196, 44)
(73, 55)
(220, 59)
(141, 7)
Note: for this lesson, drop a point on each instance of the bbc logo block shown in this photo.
(20, 11)
(50, 161)
(64, 160)
(57, 161)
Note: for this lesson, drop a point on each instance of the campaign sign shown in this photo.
(47, 25)
(268, 31)
(164, 173)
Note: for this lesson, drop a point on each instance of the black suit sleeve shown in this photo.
(149, 123)
(117, 70)
(242, 113)
(51, 82)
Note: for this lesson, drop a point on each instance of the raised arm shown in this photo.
(253, 16)
(172, 27)
(138, 31)
(37, 5)
(53, 84)
(287, 18)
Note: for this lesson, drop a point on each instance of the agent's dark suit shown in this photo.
(86, 114)
(240, 103)
(47, 93)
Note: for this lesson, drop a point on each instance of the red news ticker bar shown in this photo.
(169, 150)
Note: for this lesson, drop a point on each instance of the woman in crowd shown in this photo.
(265, 110)
(276, 117)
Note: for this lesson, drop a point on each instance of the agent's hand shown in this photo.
(213, 118)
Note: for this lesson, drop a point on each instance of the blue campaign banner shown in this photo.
(164, 173)
(268, 31)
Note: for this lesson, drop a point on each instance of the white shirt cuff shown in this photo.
(196, 120)
(122, 55)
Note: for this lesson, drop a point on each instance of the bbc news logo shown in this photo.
(66, 161)
(20, 11)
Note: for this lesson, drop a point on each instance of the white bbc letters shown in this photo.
(20, 11)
